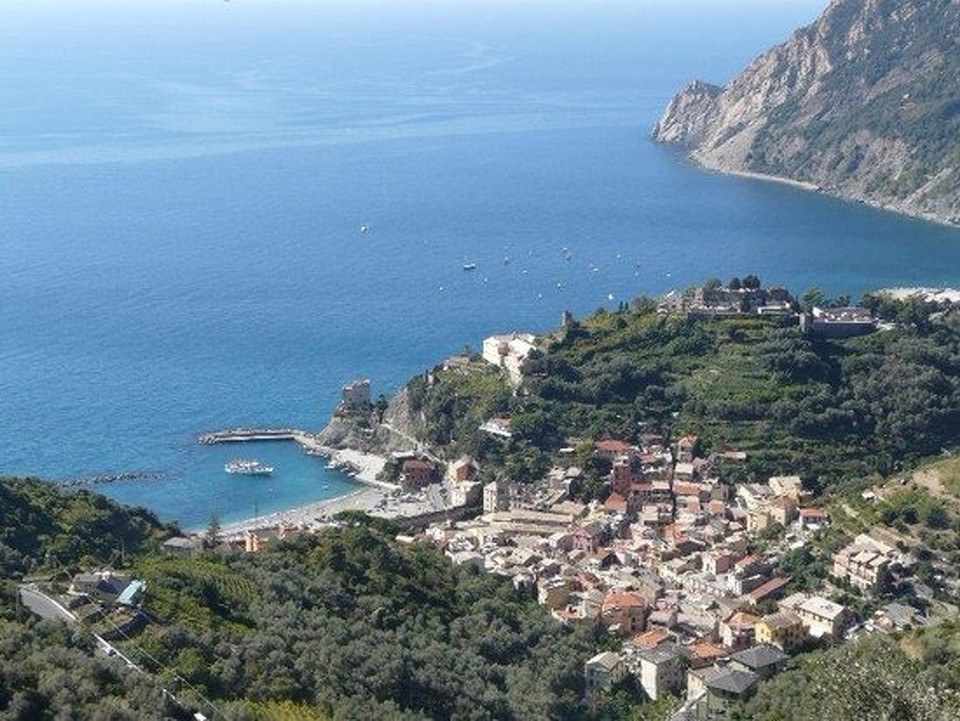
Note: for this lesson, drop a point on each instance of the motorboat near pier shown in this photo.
(247, 467)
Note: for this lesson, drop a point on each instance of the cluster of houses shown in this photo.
(667, 565)
(664, 564)
(107, 598)
(719, 302)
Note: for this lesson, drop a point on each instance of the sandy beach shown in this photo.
(364, 467)
(930, 294)
(311, 514)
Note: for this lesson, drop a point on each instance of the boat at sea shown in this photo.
(469, 266)
(247, 467)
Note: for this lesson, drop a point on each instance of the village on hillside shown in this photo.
(690, 577)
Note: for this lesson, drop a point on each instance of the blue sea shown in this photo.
(183, 185)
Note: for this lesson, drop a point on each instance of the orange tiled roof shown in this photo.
(706, 650)
(625, 599)
(651, 639)
(612, 446)
(615, 502)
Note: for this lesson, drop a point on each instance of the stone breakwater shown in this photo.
(102, 478)
(241, 435)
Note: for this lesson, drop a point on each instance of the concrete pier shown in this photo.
(242, 435)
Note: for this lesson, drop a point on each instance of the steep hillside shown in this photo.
(832, 410)
(42, 525)
(349, 624)
(863, 104)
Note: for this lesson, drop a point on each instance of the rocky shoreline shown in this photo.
(889, 205)
(807, 110)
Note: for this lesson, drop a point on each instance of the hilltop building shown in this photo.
(354, 398)
(838, 322)
(509, 352)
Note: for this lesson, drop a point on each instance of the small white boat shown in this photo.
(469, 266)
(247, 467)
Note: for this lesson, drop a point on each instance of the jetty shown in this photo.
(243, 435)
(113, 478)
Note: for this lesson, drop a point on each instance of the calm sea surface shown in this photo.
(182, 187)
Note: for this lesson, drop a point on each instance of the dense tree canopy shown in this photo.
(353, 624)
(829, 410)
(48, 671)
(872, 679)
(42, 525)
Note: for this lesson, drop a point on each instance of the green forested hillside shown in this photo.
(44, 526)
(826, 409)
(343, 625)
(355, 625)
(864, 104)
(908, 678)
(49, 671)
(350, 624)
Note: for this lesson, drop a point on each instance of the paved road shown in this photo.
(417, 445)
(44, 606)
(49, 608)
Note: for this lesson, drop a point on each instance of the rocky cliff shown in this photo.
(863, 104)
(393, 430)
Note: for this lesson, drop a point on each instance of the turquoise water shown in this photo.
(182, 186)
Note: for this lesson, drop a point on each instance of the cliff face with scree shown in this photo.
(864, 104)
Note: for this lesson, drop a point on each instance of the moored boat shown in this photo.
(247, 467)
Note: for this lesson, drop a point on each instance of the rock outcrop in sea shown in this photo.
(863, 104)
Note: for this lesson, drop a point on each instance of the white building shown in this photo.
(823, 617)
(509, 352)
(661, 671)
(496, 497)
(602, 671)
